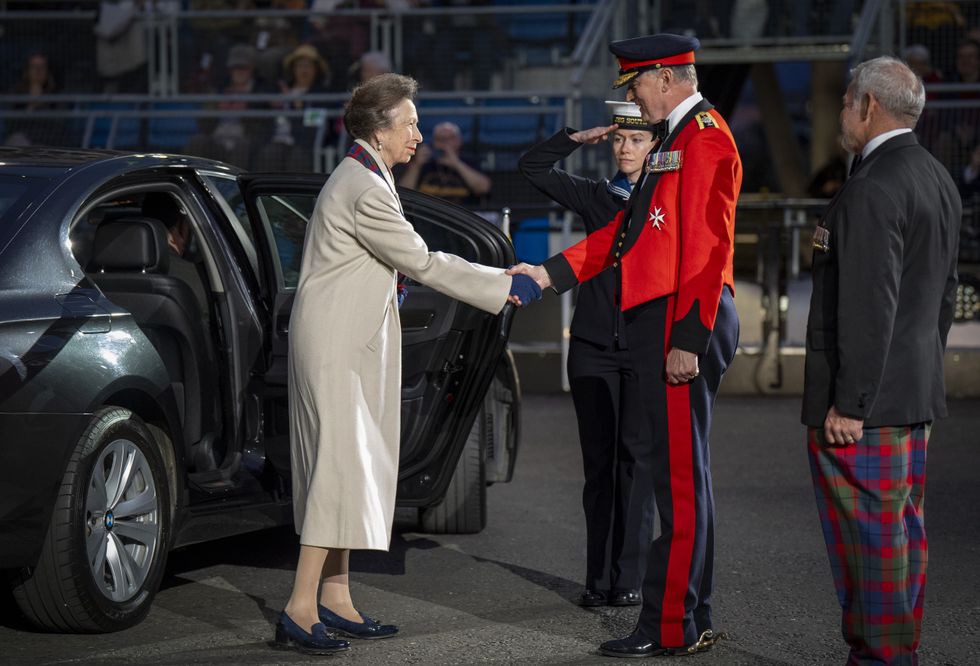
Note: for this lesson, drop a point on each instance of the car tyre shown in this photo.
(464, 509)
(104, 553)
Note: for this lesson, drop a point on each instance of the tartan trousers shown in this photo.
(869, 496)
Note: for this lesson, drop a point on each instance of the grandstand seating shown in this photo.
(126, 134)
(431, 114)
(171, 133)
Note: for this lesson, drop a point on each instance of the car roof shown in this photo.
(54, 157)
(41, 156)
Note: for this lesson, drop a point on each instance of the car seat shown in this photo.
(129, 263)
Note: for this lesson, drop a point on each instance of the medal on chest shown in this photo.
(662, 162)
(821, 239)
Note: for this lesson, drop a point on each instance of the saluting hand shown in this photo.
(594, 135)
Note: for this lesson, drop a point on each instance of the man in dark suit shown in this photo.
(884, 282)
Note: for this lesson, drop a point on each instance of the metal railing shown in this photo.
(136, 121)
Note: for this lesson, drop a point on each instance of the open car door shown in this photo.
(449, 349)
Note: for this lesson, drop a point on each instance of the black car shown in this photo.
(143, 393)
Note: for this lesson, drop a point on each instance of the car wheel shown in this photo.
(102, 559)
(464, 509)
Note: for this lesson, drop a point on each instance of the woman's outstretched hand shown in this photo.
(523, 290)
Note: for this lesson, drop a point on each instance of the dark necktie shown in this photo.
(854, 164)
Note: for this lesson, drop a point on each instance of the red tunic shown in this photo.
(684, 241)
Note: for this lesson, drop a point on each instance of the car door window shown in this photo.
(284, 218)
(442, 239)
(225, 188)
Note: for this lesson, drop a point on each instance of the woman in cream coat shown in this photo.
(345, 360)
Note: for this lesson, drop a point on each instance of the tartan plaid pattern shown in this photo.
(358, 153)
(869, 496)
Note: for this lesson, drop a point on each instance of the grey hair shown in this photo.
(371, 103)
(893, 84)
(687, 74)
(683, 73)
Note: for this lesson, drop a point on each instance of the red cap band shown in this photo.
(679, 59)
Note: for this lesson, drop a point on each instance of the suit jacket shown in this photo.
(345, 353)
(676, 236)
(597, 317)
(884, 290)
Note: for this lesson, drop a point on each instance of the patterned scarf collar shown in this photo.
(620, 186)
(359, 153)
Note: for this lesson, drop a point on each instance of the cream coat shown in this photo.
(345, 353)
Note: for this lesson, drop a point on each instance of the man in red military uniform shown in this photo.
(671, 249)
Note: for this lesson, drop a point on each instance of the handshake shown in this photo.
(527, 283)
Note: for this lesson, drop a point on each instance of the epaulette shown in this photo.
(705, 120)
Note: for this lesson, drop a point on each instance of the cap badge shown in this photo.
(661, 162)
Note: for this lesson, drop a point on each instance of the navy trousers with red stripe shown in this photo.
(679, 577)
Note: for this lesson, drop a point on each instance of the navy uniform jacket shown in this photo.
(884, 291)
(597, 318)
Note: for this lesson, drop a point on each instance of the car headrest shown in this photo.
(130, 244)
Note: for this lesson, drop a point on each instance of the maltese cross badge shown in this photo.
(657, 217)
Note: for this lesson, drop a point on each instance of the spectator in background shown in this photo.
(276, 37)
(205, 45)
(959, 126)
(443, 173)
(936, 25)
(233, 137)
(293, 138)
(918, 58)
(970, 177)
(368, 66)
(967, 62)
(120, 47)
(340, 39)
(36, 81)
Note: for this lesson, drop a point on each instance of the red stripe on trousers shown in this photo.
(679, 439)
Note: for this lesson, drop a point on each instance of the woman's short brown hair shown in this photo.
(371, 102)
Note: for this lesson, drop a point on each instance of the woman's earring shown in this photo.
(379, 145)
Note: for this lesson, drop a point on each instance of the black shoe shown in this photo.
(636, 646)
(368, 629)
(625, 598)
(593, 598)
(290, 636)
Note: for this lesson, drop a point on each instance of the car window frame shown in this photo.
(244, 239)
(113, 190)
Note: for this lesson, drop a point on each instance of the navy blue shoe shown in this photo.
(290, 636)
(369, 629)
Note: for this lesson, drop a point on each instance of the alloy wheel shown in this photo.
(122, 520)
